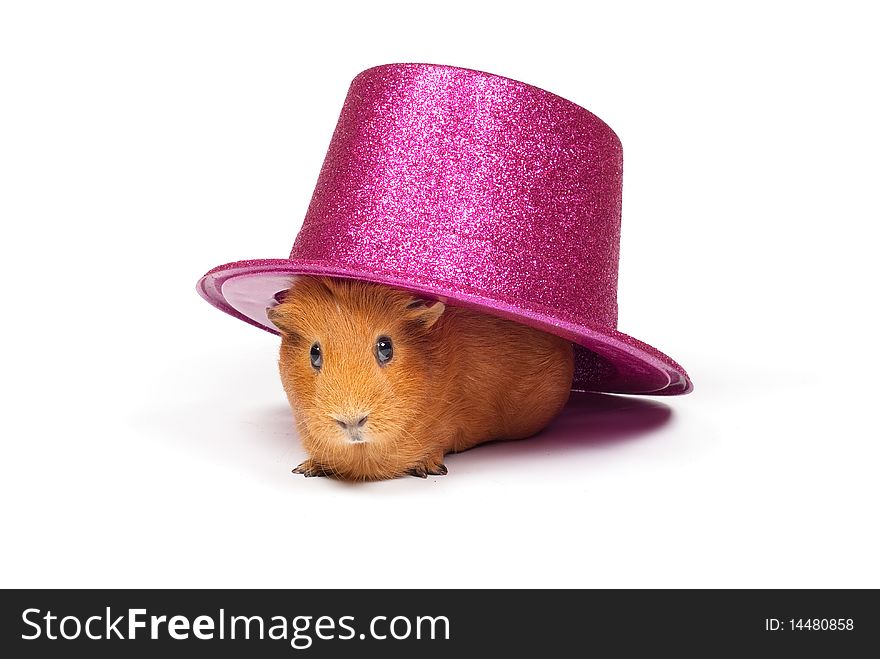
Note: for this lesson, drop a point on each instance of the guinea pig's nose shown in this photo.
(350, 422)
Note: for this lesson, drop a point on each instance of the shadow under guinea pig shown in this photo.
(588, 421)
(598, 419)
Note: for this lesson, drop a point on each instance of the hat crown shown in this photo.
(450, 177)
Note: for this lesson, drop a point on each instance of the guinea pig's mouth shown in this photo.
(352, 427)
(354, 436)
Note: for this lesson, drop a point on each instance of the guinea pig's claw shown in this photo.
(423, 471)
(418, 471)
(309, 469)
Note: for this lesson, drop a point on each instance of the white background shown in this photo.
(146, 440)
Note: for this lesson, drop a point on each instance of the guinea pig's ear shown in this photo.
(425, 311)
(280, 320)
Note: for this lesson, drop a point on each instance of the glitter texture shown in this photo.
(478, 190)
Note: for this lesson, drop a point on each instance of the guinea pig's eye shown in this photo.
(315, 356)
(384, 350)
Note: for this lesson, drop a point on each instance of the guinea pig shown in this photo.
(382, 383)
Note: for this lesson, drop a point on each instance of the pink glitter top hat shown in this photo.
(477, 190)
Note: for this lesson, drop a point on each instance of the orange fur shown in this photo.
(457, 378)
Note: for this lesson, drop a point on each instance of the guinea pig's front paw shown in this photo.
(309, 468)
(433, 467)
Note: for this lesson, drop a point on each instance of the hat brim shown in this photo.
(606, 360)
